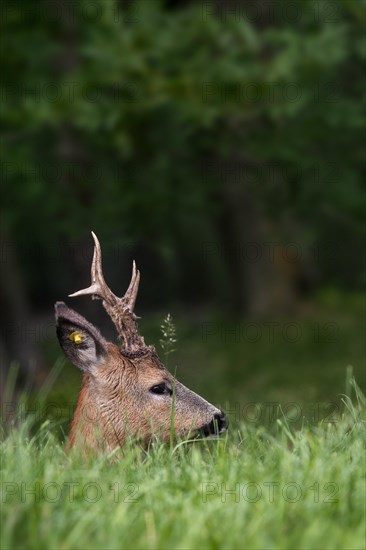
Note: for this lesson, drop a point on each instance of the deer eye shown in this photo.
(161, 389)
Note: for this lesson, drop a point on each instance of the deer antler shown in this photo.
(120, 310)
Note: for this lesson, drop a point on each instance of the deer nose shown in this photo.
(222, 422)
(218, 424)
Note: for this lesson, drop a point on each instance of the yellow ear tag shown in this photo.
(76, 337)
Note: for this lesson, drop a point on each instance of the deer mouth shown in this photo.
(217, 426)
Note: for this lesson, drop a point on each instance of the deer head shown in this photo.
(126, 390)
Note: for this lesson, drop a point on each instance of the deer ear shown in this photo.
(81, 342)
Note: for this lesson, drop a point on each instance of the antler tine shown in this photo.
(97, 272)
(98, 287)
(133, 288)
(133, 276)
(135, 291)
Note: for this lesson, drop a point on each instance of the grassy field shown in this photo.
(290, 473)
(258, 487)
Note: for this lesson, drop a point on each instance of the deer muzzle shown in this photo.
(217, 426)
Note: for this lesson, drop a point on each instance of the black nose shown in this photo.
(218, 425)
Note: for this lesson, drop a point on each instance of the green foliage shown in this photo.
(168, 340)
(158, 96)
(255, 488)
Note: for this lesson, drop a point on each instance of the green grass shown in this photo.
(279, 479)
(258, 487)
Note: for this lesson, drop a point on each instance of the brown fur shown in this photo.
(115, 400)
(126, 390)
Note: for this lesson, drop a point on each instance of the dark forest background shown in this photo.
(222, 146)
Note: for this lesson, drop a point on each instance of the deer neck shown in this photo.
(90, 427)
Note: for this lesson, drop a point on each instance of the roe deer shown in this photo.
(126, 390)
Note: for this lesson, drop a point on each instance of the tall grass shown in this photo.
(257, 487)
